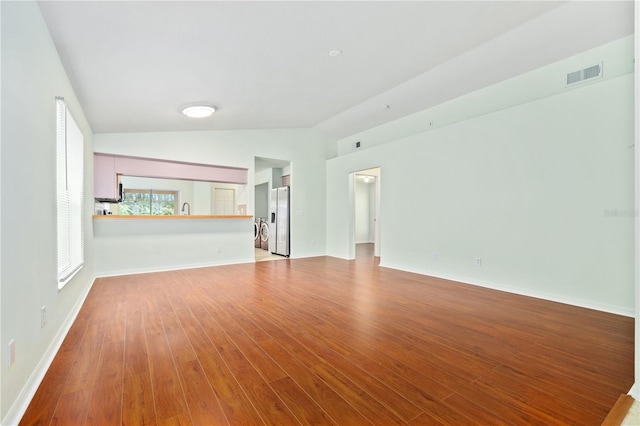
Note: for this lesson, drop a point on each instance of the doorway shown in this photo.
(365, 215)
(270, 173)
(224, 201)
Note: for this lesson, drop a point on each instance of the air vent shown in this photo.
(584, 74)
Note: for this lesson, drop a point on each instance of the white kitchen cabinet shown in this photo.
(105, 179)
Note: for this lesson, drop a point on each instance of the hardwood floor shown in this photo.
(327, 341)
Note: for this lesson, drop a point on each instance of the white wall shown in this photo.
(201, 199)
(264, 176)
(32, 76)
(129, 246)
(262, 200)
(526, 188)
(304, 148)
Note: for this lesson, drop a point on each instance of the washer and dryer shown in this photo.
(264, 233)
(261, 233)
(256, 233)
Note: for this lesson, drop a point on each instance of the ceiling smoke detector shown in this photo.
(198, 111)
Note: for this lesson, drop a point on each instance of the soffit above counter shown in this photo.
(168, 169)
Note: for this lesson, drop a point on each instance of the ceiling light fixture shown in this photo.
(335, 52)
(198, 111)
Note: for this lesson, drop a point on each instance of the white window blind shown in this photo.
(70, 179)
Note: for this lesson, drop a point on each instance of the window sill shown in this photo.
(63, 281)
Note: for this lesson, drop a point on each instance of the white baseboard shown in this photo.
(523, 292)
(307, 255)
(25, 396)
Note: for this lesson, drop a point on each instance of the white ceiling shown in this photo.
(266, 64)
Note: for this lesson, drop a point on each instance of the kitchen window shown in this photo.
(149, 202)
(70, 194)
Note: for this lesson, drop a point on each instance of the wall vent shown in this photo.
(585, 74)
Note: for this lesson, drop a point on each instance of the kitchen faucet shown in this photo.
(188, 208)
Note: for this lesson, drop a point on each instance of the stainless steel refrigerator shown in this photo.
(279, 221)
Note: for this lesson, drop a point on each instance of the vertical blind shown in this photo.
(69, 149)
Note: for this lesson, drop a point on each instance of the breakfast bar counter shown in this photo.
(184, 216)
(127, 244)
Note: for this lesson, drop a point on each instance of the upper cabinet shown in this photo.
(105, 178)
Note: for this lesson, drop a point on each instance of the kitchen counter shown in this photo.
(191, 216)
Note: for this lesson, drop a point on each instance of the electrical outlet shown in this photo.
(435, 255)
(313, 242)
(12, 352)
(219, 249)
(478, 261)
(43, 316)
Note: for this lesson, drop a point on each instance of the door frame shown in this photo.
(375, 171)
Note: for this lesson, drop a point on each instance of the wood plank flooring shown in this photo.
(328, 341)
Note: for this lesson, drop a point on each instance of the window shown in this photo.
(70, 178)
(148, 201)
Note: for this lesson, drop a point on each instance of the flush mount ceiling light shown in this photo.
(198, 111)
(335, 52)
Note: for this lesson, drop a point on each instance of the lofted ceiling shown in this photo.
(266, 64)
